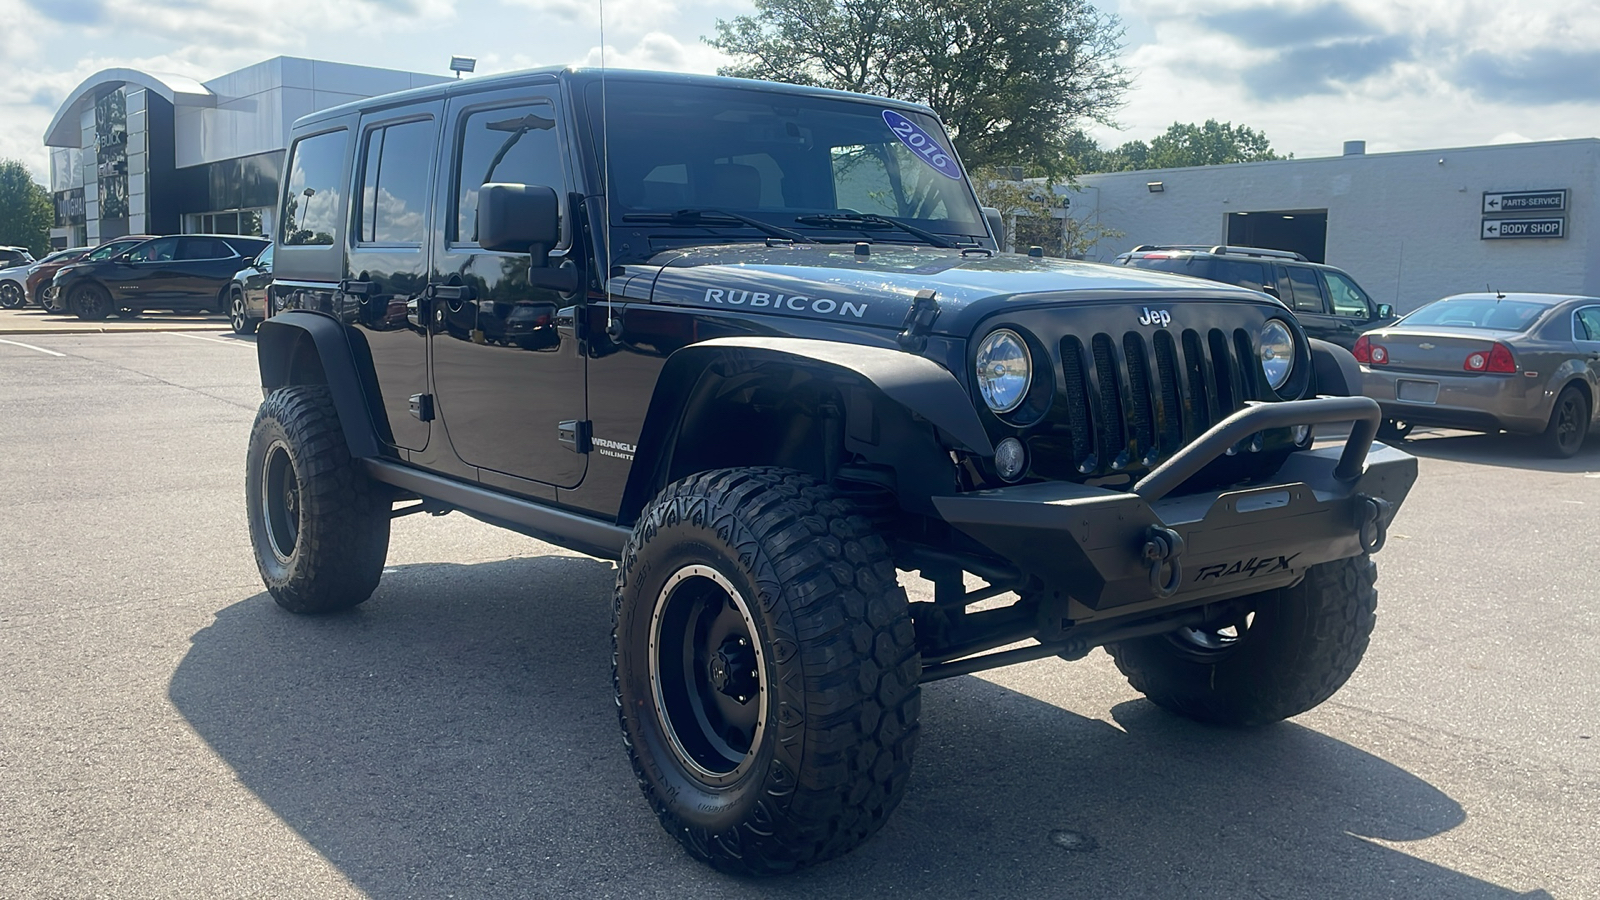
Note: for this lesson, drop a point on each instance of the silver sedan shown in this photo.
(1524, 363)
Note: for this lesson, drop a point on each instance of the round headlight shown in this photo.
(1276, 346)
(1004, 370)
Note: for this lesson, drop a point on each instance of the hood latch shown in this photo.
(919, 320)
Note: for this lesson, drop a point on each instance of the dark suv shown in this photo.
(755, 342)
(179, 272)
(1325, 299)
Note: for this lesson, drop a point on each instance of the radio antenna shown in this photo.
(605, 180)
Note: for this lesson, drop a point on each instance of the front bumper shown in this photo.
(1102, 553)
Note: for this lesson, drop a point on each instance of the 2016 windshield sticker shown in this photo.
(922, 144)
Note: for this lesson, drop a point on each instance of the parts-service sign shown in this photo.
(923, 144)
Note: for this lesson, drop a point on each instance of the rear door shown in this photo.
(386, 274)
(507, 366)
(202, 270)
(1301, 288)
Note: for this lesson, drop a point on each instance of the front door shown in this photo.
(1301, 288)
(148, 273)
(388, 261)
(506, 374)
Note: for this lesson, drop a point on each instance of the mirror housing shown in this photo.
(526, 218)
(1385, 310)
(996, 221)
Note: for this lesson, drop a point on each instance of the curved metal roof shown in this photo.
(65, 130)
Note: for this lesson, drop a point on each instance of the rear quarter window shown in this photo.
(313, 202)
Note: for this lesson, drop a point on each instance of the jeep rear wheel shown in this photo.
(1293, 649)
(319, 525)
(765, 668)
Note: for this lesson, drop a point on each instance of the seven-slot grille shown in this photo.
(1132, 402)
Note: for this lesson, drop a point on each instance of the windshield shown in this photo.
(778, 156)
(1480, 312)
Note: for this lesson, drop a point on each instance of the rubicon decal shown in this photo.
(1256, 565)
(794, 302)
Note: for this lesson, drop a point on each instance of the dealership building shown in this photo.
(1411, 227)
(136, 152)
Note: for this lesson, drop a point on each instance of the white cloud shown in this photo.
(658, 50)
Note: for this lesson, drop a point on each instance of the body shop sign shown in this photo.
(922, 144)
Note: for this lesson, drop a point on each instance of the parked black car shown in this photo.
(755, 342)
(1325, 299)
(247, 299)
(178, 272)
(41, 282)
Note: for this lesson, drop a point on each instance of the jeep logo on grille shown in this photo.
(1155, 317)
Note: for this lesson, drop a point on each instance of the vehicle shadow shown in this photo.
(457, 736)
(1513, 451)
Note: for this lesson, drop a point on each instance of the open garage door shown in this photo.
(1303, 231)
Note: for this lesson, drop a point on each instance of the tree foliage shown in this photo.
(26, 212)
(1034, 215)
(1211, 144)
(1010, 78)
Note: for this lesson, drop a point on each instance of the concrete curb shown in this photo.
(119, 328)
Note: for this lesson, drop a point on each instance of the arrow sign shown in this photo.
(1553, 200)
(1510, 229)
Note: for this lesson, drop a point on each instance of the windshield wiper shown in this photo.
(858, 220)
(701, 216)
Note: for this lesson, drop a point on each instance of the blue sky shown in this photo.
(1399, 74)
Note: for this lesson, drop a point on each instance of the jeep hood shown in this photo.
(832, 283)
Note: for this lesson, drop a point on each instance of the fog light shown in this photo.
(1010, 459)
(1301, 435)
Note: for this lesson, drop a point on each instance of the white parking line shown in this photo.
(213, 340)
(30, 347)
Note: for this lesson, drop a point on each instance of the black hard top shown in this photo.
(579, 78)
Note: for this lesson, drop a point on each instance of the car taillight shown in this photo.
(1363, 350)
(1497, 360)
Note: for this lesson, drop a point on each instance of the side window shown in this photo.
(1587, 324)
(395, 177)
(1245, 274)
(509, 145)
(1348, 299)
(202, 248)
(310, 214)
(1307, 289)
(155, 251)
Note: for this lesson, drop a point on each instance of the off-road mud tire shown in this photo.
(1301, 647)
(340, 517)
(840, 668)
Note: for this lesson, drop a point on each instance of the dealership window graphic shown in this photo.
(111, 149)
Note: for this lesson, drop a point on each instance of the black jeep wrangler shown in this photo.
(757, 344)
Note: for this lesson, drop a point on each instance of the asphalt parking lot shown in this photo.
(169, 732)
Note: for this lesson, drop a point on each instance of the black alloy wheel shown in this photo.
(1569, 424)
(280, 502)
(11, 295)
(706, 671)
(90, 302)
(238, 317)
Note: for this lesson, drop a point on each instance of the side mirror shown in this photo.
(997, 225)
(525, 218)
(1385, 311)
(1269, 289)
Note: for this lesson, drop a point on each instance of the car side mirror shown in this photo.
(1385, 311)
(996, 221)
(525, 218)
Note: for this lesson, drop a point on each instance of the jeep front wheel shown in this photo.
(765, 669)
(1285, 652)
(318, 523)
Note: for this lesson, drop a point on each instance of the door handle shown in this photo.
(358, 288)
(451, 293)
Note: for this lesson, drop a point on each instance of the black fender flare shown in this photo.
(915, 383)
(280, 337)
(1335, 370)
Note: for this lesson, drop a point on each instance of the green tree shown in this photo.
(26, 211)
(1012, 79)
(1211, 144)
